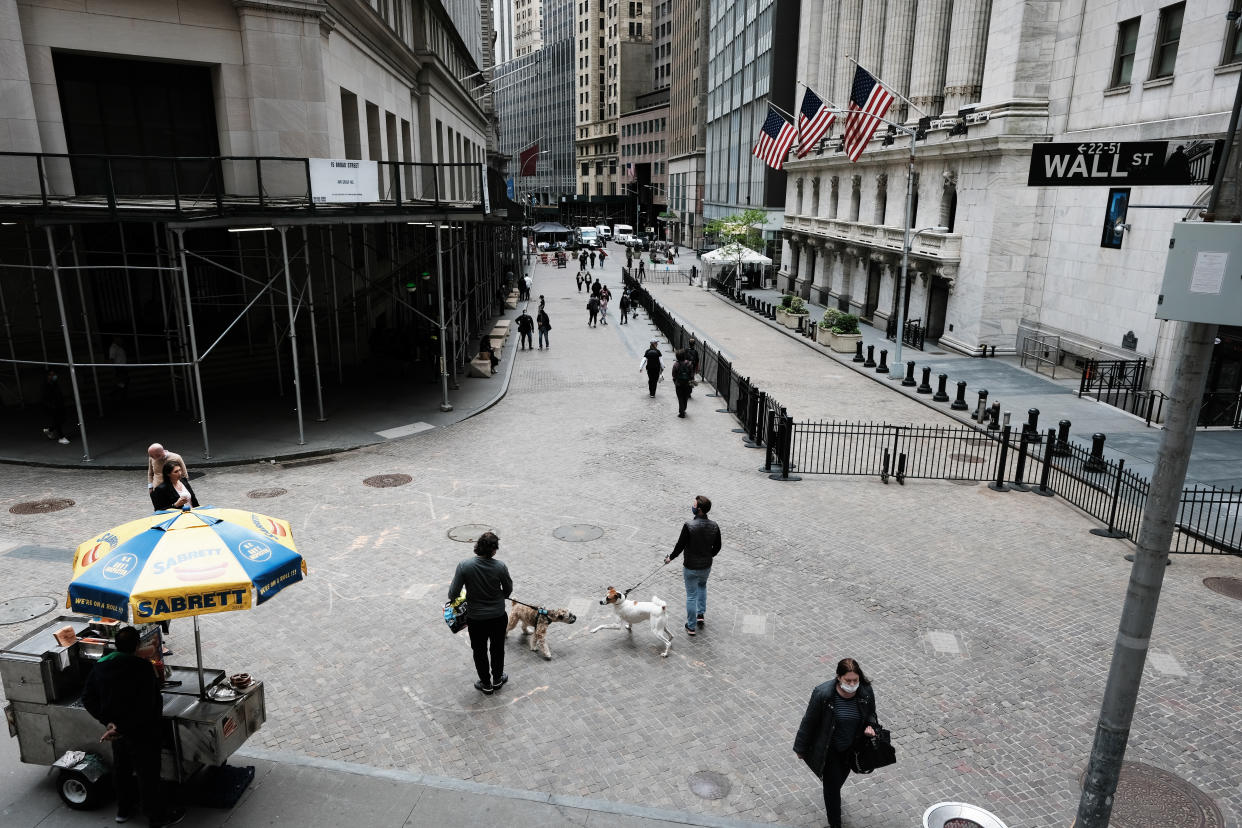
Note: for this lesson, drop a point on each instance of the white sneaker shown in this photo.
(64, 441)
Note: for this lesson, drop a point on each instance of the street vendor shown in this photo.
(123, 694)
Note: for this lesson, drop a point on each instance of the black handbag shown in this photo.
(455, 615)
(871, 752)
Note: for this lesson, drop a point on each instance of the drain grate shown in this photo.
(388, 481)
(578, 532)
(1229, 587)
(41, 507)
(260, 494)
(709, 785)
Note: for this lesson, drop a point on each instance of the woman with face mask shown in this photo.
(840, 712)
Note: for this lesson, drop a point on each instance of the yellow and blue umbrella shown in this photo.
(176, 564)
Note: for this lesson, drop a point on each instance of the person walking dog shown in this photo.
(840, 711)
(487, 584)
(700, 540)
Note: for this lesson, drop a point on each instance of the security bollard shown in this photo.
(994, 417)
(1061, 448)
(909, 382)
(1020, 469)
(998, 485)
(882, 368)
(959, 404)
(980, 414)
(858, 356)
(1044, 489)
(925, 385)
(1031, 427)
(870, 362)
(1096, 462)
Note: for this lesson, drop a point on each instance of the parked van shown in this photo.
(605, 233)
(622, 232)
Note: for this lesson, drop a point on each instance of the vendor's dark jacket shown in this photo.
(122, 690)
(487, 585)
(815, 732)
(700, 540)
(164, 495)
(525, 323)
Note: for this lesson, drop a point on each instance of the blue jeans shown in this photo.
(696, 594)
(543, 337)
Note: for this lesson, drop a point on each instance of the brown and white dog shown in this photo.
(536, 621)
(632, 612)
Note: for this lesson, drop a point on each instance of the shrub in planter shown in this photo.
(787, 300)
(796, 304)
(845, 323)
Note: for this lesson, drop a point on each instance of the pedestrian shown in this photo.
(118, 357)
(839, 708)
(642, 270)
(526, 326)
(529, 282)
(603, 306)
(545, 325)
(603, 254)
(596, 287)
(578, 281)
(592, 259)
(582, 261)
(157, 456)
(651, 363)
(624, 304)
(486, 347)
(683, 373)
(174, 491)
(487, 584)
(122, 693)
(542, 301)
(53, 408)
(700, 540)
(692, 354)
(592, 310)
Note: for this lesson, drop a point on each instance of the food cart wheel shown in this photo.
(78, 791)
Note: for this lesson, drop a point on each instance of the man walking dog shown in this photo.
(700, 540)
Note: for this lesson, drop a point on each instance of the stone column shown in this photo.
(931, 47)
(898, 46)
(968, 46)
(825, 74)
(822, 283)
(18, 122)
(809, 48)
(850, 14)
(871, 36)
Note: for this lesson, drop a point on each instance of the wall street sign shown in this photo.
(1124, 163)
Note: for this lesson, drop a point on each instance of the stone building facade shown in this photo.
(989, 79)
(687, 122)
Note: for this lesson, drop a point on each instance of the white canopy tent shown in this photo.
(733, 257)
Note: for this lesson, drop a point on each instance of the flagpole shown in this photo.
(791, 118)
(898, 368)
(831, 105)
(909, 102)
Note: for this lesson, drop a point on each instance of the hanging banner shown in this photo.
(487, 200)
(343, 181)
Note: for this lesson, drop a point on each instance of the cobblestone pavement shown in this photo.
(985, 620)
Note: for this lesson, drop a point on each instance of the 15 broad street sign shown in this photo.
(1123, 163)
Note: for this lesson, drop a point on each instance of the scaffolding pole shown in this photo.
(64, 329)
(189, 310)
(293, 333)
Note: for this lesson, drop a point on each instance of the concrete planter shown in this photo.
(790, 320)
(844, 343)
(780, 315)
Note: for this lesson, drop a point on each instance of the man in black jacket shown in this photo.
(122, 692)
(525, 325)
(700, 540)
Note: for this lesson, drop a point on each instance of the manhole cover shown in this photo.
(41, 507)
(709, 785)
(387, 481)
(1231, 587)
(17, 610)
(259, 494)
(578, 532)
(966, 458)
(468, 532)
(1148, 797)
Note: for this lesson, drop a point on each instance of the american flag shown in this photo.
(774, 140)
(814, 118)
(869, 101)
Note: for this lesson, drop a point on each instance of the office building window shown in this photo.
(1167, 39)
(1127, 42)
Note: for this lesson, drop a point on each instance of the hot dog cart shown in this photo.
(43, 681)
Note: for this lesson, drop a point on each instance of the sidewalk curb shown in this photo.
(481, 789)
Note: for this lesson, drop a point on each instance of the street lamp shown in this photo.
(898, 372)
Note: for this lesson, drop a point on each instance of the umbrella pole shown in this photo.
(198, 651)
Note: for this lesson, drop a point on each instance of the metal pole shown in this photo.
(8, 334)
(168, 354)
(34, 293)
(444, 403)
(1138, 613)
(293, 333)
(64, 329)
(198, 651)
(336, 307)
(86, 317)
(189, 319)
(310, 306)
(905, 255)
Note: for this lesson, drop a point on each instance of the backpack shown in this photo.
(682, 371)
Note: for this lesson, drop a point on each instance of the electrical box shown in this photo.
(1203, 274)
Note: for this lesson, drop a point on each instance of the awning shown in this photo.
(734, 254)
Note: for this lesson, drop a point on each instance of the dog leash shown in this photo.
(540, 610)
(659, 566)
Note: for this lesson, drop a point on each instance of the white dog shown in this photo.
(631, 612)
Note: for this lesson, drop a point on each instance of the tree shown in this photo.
(741, 230)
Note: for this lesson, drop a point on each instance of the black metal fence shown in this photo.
(913, 333)
(1049, 464)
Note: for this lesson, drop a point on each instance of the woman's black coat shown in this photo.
(815, 732)
(164, 495)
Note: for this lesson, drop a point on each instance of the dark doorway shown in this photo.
(937, 307)
(1222, 401)
(113, 106)
(872, 298)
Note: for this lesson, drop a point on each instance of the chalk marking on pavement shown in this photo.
(508, 702)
